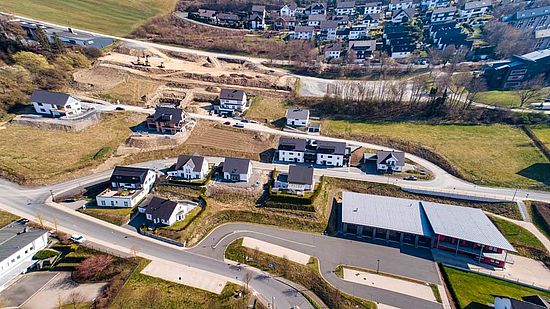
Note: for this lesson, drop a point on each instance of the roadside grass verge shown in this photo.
(116, 216)
(498, 155)
(525, 242)
(104, 16)
(306, 275)
(6, 218)
(508, 98)
(37, 156)
(476, 291)
(543, 133)
(536, 211)
(142, 291)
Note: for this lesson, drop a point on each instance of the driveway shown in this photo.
(24, 288)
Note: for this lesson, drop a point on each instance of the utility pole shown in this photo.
(53, 198)
(377, 266)
(514, 197)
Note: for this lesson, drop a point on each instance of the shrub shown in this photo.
(44, 254)
(92, 266)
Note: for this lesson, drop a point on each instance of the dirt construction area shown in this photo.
(146, 77)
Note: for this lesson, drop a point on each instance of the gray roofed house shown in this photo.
(390, 160)
(336, 148)
(47, 97)
(292, 144)
(166, 120)
(236, 169)
(472, 5)
(297, 117)
(161, 211)
(128, 175)
(302, 175)
(189, 167)
(193, 161)
(15, 236)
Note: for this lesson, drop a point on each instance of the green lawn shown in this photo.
(508, 98)
(267, 108)
(497, 155)
(117, 216)
(143, 291)
(476, 291)
(6, 218)
(523, 240)
(543, 133)
(104, 16)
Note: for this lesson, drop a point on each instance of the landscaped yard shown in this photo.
(142, 291)
(497, 155)
(524, 241)
(6, 218)
(476, 291)
(37, 156)
(104, 16)
(505, 98)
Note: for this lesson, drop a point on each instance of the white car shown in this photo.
(78, 238)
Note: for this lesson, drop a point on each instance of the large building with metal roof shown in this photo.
(461, 230)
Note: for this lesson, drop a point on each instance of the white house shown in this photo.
(325, 153)
(345, 8)
(55, 104)
(18, 244)
(288, 9)
(129, 186)
(291, 150)
(189, 167)
(328, 29)
(373, 8)
(371, 20)
(232, 100)
(297, 117)
(403, 16)
(333, 51)
(302, 33)
(332, 153)
(161, 211)
(387, 161)
(432, 4)
(315, 20)
(401, 5)
(473, 9)
(443, 15)
(526, 302)
(235, 169)
(316, 9)
(358, 32)
(299, 179)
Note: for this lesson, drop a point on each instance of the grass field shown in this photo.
(104, 16)
(117, 216)
(505, 98)
(520, 238)
(143, 291)
(497, 155)
(267, 108)
(36, 156)
(6, 218)
(543, 133)
(476, 291)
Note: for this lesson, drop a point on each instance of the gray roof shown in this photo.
(47, 97)
(167, 114)
(231, 94)
(545, 10)
(302, 114)
(536, 55)
(367, 44)
(345, 5)
(304, 29)
(236, 166)
(292, 144)
(12, 238)
(385, 212)
(318, 17)
(444, 10)
(128, 174)
(194, 161)
(336, 148)
(160, 208)
(300, 175)
(465, 223)
(382, 156)
(328, 24)
(476, 4)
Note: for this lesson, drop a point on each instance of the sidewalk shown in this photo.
(302, 290)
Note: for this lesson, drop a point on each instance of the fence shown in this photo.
(540, 145)
(164, 239)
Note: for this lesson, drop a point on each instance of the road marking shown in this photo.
(259, 233)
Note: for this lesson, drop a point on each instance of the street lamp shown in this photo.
(377, 266)
(53, 198)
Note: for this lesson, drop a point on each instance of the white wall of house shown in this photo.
(295, 122)
(234, 104)
(291, 156)
(333, 54)
(128, 201)
(397, 55)
(330, 159)
(299, 187)
(389, 166)
(178, 214)
(373, 9)
(24, 254)
(71, 108)
(302, 35)
(400, 5)
(187, 172)
(147, 184)
(344, 11)
(287, 11)
(473, 13)
(442, 18)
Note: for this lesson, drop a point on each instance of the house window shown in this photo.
(103, 203)
(531, 22)
(125, 203)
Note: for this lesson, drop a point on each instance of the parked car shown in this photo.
(77, 238)
(70, 200)
(245, 120)
(118, 108)
(411, 178)
(239, 125)
(227, 123)
(23, 221)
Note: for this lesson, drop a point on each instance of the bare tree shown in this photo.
(74, 300)
(507, 39)
(151, 298)
(530, 90)
(247, 278)
(474, 87)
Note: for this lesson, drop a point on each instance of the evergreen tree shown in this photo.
(58, 44)
(42, 38)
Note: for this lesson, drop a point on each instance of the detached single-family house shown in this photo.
(316, 9)
(55, 104)
(473, 9)
(292, 150)
(443, 15)
(160, 211)
(288, 9)
(235, 169)
(332, 153)
(333, 51)
(345, 8)
(299, 179)
(325, 153)
(297, 117)
(363, 49)
(189, 167)
(128, 187)
(18, 244)
(358, 32)
(433, 4)
(231, 101)
(228, 20)
(526, 302)
(386, 161)
(400, 5)
(403, 16)
(302, 33)
(328, 30)
(315, 20)
(166, 120)
(371, 20)
(373, 8)
(208, 16)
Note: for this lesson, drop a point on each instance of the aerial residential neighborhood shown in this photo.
(275, 154)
